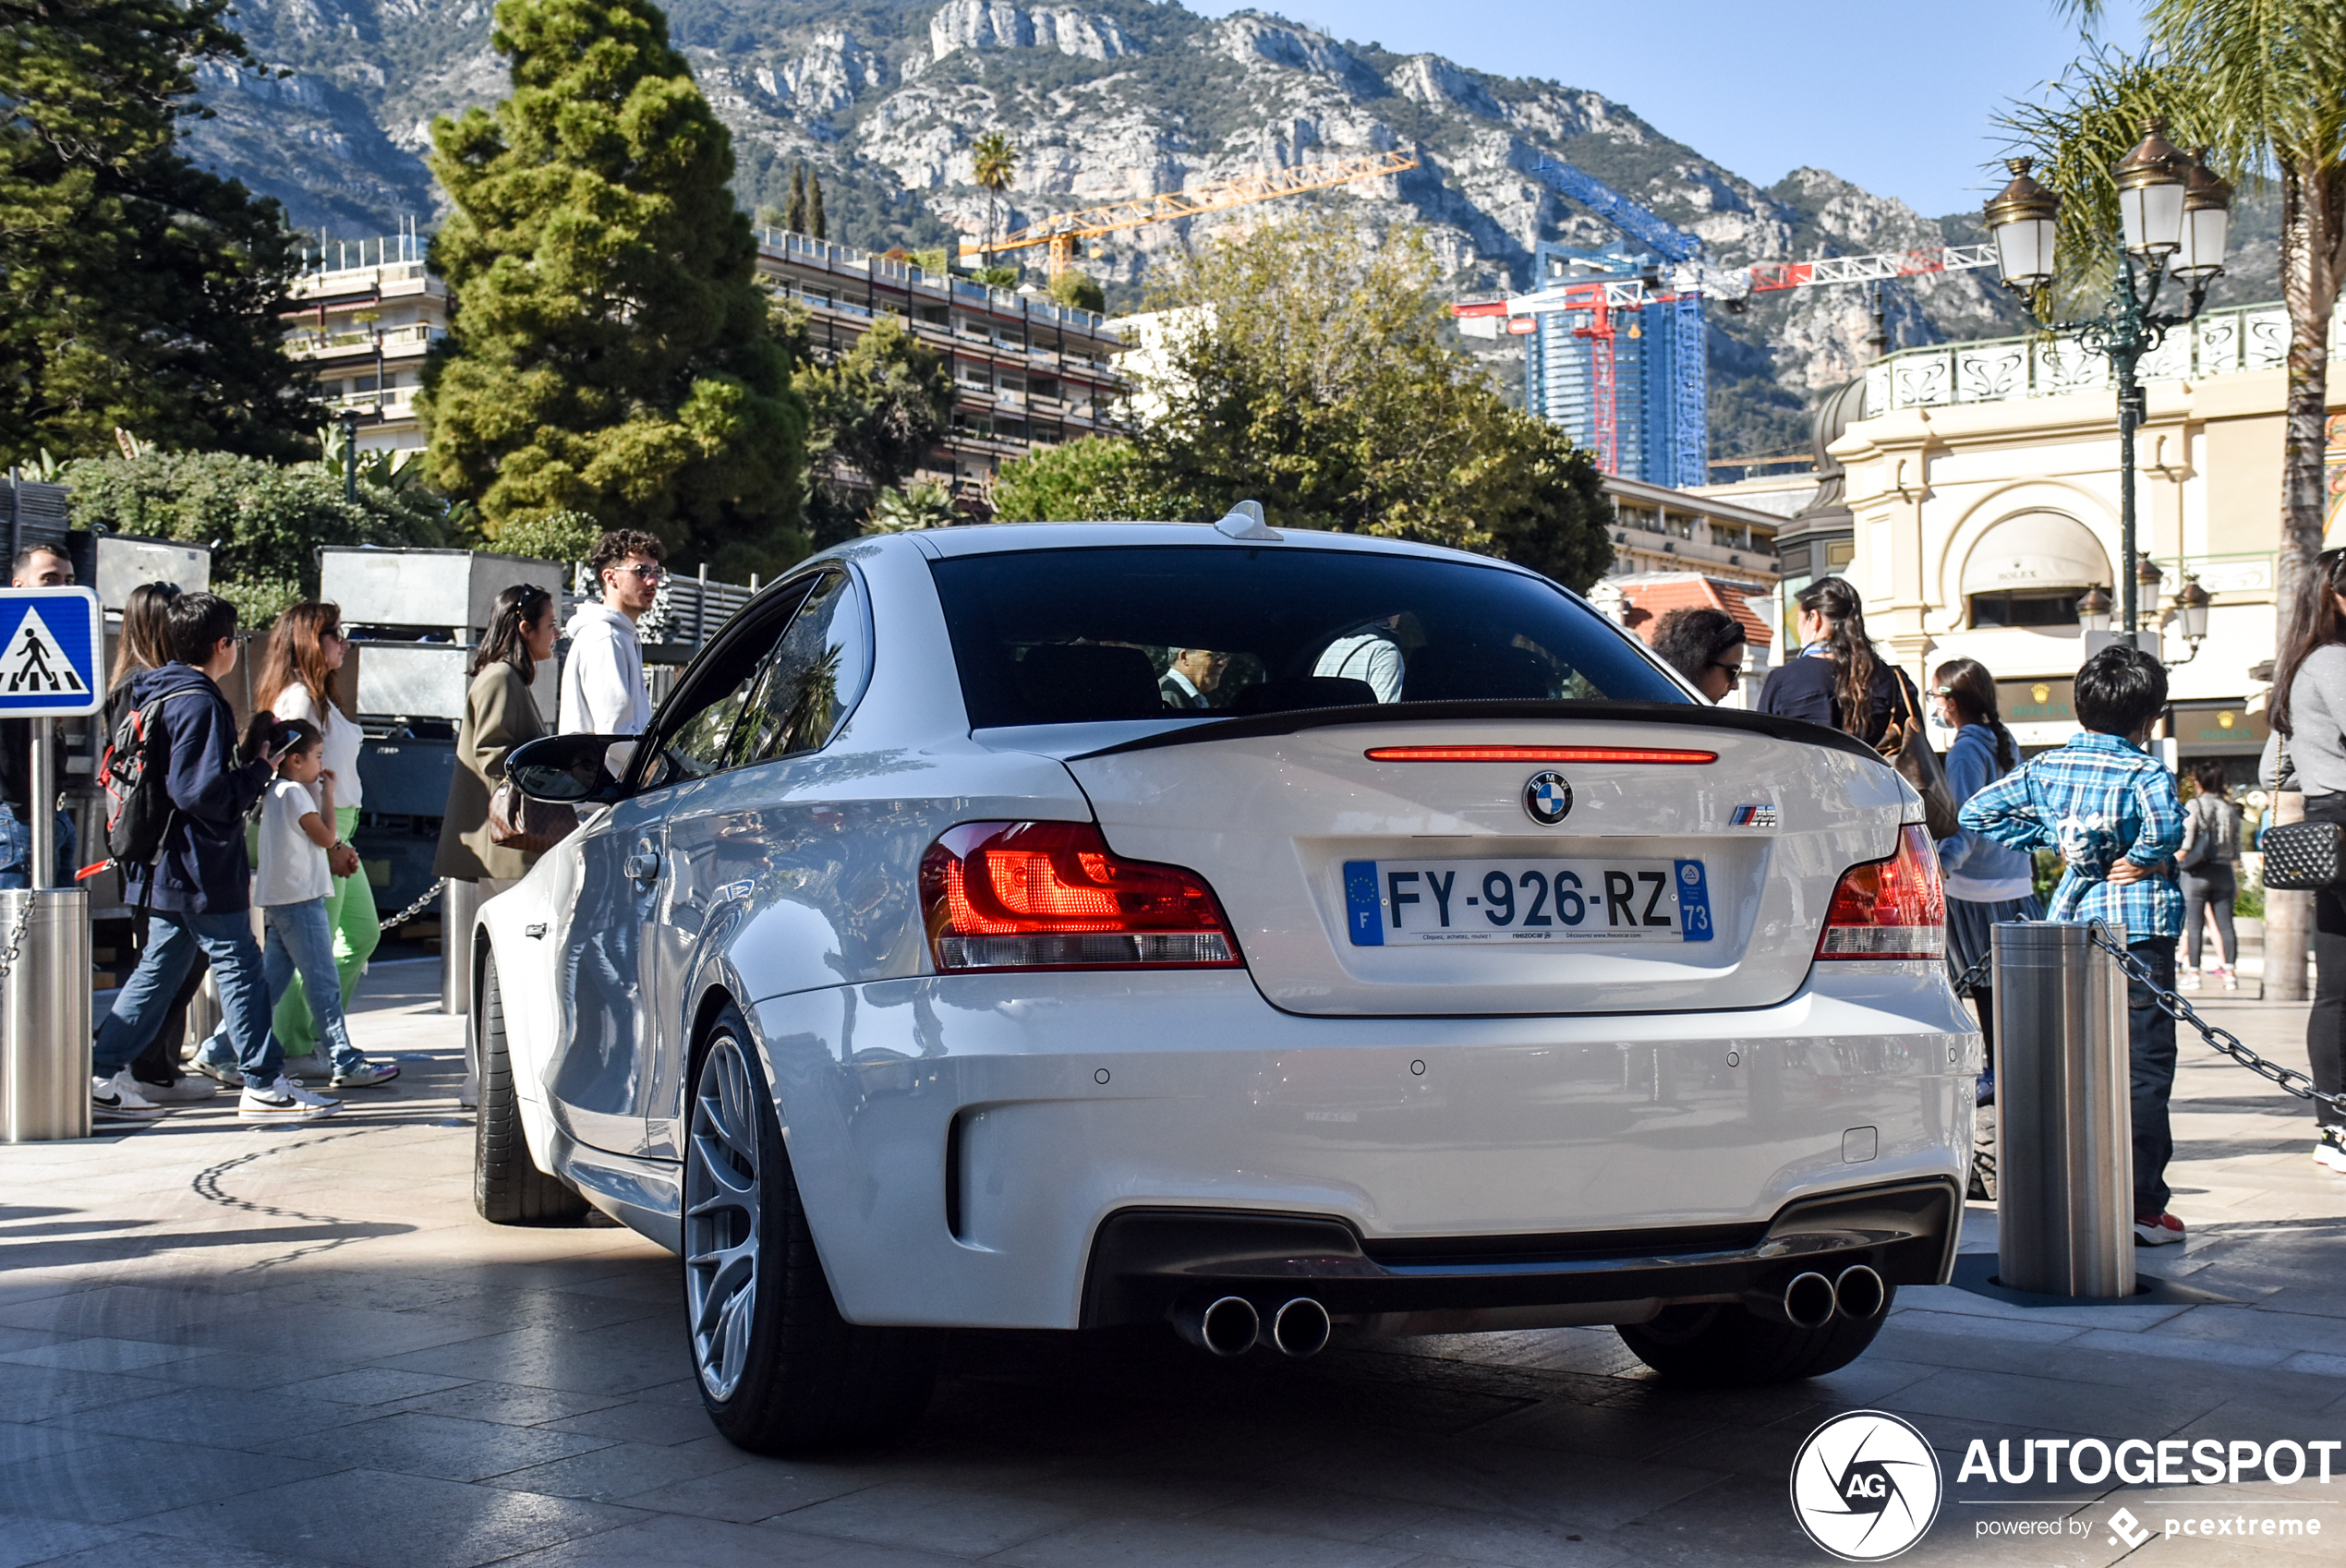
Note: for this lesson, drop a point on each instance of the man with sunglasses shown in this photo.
(602, 687)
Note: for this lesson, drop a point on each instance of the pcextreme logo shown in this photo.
(1866, 1486)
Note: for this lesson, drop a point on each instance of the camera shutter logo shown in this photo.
(1547, 798)
(1866, 1486)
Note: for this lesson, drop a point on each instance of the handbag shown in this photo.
(2302, 857)
(1906, 748)
(516, 822)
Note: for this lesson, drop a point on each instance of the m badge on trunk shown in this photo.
(1547, 798)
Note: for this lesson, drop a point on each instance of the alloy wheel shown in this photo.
(723, 1197)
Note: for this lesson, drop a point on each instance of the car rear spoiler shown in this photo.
(1694, 715)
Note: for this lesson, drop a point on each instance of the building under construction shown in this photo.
(1564, 370)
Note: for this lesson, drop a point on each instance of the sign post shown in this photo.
(51, 642)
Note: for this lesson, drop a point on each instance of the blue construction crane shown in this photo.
(1684, 447)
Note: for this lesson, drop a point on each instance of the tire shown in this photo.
(780, 1370)
(508, 1187)
(1717, 1346)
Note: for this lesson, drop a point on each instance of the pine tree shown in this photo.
(135, 290)
(608, 353)
(794, 213)
(814, 224)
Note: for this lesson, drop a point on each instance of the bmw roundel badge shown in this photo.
(1547, 798)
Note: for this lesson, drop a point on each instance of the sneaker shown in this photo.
(2231, 980)
(117, 1099)
(226, 1072)
(363, 1074)
(2158, 1230)
(284, 1100)
(2187, 979)
(180, 1090)
(2329, 1149)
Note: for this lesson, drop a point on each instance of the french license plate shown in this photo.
(1519, 902)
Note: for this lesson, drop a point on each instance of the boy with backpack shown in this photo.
(2113, 811)
(190, 771)
(295, 880)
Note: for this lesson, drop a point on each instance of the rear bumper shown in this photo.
(976, 1149)
(1146, 1262)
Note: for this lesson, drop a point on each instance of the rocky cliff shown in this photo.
(1107, 99)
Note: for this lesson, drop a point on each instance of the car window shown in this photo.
(814, 678)
(695, 726)
(1140, 632)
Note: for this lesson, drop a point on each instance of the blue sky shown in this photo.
(1894, 96)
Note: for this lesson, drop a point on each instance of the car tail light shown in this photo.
(1665, 755)
(1052, 895)
(1892, 908)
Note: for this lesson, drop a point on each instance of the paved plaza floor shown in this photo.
(231, 1347)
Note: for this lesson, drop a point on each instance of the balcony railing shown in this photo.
(371, 340)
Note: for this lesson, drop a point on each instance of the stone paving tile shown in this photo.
(1312, 1511)
(38, 1393)
(760, 1488)
(103, 1354)
(639, 1420)
(372, 1519)
(114, 1479)
(24, 1539)
(513, 1404)
(954, 1521)
(438, 1446)
(369, 1385)
(620, 1470)
(133, 1550)
(222, 1417)
(1162, 1543)
(1457, 1535)
(674, 1542)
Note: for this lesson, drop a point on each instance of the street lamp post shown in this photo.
(2172, 215)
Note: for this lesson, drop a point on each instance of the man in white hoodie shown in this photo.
(602, 691)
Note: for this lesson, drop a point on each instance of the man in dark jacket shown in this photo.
(199, 889)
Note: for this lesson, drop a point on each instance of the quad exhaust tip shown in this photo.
(1859, 1294)
(1228, 1325)
(1300, 1328)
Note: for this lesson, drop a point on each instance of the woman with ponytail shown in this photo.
(1839, 680)
(1987, 883)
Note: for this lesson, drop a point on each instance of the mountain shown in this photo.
(1108, 98)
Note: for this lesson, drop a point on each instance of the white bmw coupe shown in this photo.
(1282, 937)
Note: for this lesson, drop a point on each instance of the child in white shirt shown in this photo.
(296, 878)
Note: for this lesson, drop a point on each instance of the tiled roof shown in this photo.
(1652, 596)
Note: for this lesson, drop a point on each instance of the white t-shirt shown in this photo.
(1368, 656)
(343, 739)
(293, 865)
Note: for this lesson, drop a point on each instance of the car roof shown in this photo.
(992, 538)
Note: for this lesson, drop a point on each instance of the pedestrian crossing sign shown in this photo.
(51, 642)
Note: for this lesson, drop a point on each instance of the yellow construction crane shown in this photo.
(1061, 231)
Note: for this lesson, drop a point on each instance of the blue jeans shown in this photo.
(16, 850)
(301, 940)
(144, 1000)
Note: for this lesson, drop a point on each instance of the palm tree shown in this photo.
(992, 162)
(2264, 82)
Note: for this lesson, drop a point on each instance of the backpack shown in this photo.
(132, 773)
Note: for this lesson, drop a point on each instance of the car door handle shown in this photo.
(642, 865)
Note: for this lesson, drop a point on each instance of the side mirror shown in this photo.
(571, 770)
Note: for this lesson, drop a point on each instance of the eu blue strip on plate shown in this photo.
(1363, 909)
(1694, 903)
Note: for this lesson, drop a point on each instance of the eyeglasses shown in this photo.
(645, 574)
(336, 633)
(1733, 671)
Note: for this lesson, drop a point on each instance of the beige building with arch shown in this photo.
(1982, 499)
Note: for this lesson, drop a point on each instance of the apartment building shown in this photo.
(1657, 528)
(1027, 370)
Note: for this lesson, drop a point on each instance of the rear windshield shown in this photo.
(1070, 637)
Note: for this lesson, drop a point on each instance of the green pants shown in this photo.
(350, 910)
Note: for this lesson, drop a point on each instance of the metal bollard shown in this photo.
(459, 901)
(2064, 1125)
(45, 1018)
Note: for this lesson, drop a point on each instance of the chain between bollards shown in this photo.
(2288, 1080)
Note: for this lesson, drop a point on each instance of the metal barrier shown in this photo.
(459, 900)
(45, 1014)
(2065, 1159)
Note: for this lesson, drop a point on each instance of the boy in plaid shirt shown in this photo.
(2113, 812)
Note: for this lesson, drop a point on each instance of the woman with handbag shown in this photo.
(500, 714)
(1840, 681)
(2307, 751)
(305, 649)
(1987, 884)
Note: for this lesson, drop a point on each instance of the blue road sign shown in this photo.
(51, 642)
